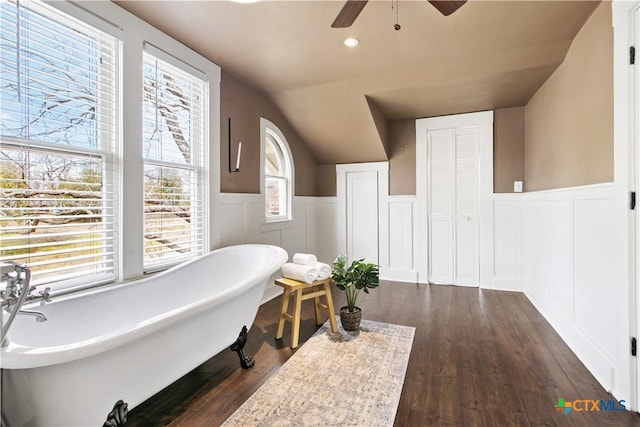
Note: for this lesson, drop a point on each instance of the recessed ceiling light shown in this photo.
(351, 42)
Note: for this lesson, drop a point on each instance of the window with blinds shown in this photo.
(58, 128)
(174, 153)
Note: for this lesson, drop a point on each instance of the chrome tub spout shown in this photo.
(39, 316)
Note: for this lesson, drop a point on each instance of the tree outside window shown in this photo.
(174, 157)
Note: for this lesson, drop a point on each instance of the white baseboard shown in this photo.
(399, 275)
(595, 360)
(514, 284)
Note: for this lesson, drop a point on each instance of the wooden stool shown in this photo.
(315, 291)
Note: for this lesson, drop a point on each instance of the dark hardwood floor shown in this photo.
(479, 358)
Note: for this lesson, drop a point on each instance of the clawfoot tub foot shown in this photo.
(118, 415)
(245, 361)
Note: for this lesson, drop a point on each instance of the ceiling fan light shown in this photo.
(351, 42)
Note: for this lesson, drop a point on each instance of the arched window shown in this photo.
(277, 169)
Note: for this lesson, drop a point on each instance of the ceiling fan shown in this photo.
(352, 9)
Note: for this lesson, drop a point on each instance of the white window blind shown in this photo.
(58, 93)
(174, 153)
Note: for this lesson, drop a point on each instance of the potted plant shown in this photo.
(358, 276)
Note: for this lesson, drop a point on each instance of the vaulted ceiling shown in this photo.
(488, 54)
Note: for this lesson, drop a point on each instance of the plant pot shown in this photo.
(350, 319)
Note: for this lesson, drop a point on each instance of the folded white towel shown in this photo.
(324, 270)
(304, 259)
(301, 273)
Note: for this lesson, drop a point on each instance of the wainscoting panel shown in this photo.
(312, 230)
(400, 265)
(323, 235)
(560, 271)
(574, 268)
(534, 246)
(597, 252)
(508, 241)
(234, 216)
(294, 234)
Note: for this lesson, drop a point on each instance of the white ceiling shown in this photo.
(488, 54)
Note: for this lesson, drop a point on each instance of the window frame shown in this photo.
(133, 35)
(105, 152)
(198, 165)
(271, 131)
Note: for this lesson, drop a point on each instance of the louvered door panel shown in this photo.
(441, 202)
(466, 163)
(466, 207)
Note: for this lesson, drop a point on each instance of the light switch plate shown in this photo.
(517, 186)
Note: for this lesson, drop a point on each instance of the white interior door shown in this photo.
(634, 173)
(452, 200)
(362, 215)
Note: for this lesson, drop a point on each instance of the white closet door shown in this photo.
(452, 201)
(467, 258)
(362, 216)
(440, 202)
(466, 207)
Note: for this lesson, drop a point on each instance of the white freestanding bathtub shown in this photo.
(129, 341)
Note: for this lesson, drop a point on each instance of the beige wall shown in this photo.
(245, 105)
(508, 152)
(402, 162)
(563, 137)
(402, 157)
(569, 121)
(326, 180)
(508, 148)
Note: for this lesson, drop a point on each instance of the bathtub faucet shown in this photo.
(18, 292)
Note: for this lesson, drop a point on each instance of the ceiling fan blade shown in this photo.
(349, 13)
(447, 7)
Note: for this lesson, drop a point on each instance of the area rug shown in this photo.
(335, 379)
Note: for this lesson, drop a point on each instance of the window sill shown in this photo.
(280, 224)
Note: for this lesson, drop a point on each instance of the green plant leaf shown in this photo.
(359, 275)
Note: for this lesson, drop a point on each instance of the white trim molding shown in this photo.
(626, 137)
(269, 128)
